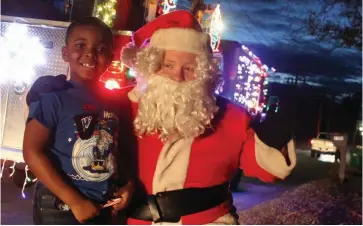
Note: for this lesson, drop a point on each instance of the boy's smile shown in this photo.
(87, 53)
(88, 65)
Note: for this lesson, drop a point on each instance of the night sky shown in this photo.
(266, 27)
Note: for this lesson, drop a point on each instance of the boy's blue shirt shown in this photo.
(88, 163)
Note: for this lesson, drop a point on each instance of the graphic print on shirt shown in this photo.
(92, 155)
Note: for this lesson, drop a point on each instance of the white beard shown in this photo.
(172, 108)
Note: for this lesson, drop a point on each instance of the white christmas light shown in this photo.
(132, 73)
(216, 27)
(169, 5)
(12, 169)
(2, 168)
(20, 53)
(251, 77)
(112, 84)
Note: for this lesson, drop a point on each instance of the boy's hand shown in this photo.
(125, 193)
(85, 210)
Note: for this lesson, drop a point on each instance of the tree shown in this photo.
(335, 21)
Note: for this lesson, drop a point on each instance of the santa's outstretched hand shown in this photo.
(275, 131)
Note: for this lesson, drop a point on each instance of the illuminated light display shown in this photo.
(106, 11)
(117, 76)
(114, 76)
(28, 178)
(169, 5)
(216, 27)
(131, 74)
(166, 6)
(251, 80)
(20, 53)
(112, 84)
(220, 88)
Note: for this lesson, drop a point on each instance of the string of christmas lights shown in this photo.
(27, 180)
(168, 5)
(251, 81)
(118, 76)
(106, 11)
(216, 26)
(2, 168)
(12, 168)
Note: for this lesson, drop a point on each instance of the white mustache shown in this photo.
(168, 107)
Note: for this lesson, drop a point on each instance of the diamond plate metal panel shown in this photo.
(14, 124)
(4, 91)
(12, 103)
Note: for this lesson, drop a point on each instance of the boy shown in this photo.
(72, 135)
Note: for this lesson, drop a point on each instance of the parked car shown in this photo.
(324, 144)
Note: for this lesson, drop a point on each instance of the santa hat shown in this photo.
(178, 30)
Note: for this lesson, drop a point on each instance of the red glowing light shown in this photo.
(112, 84)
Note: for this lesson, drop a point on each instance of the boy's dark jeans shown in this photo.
(46, 210)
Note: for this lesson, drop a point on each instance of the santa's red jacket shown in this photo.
(208, 160)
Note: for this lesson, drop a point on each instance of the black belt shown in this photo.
(170, 206)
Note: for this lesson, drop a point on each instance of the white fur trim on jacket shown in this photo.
(181, 39)
(271, 159)
(171, 168)
(171, 171)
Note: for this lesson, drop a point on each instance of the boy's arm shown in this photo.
(35, 144)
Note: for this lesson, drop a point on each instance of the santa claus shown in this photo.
(190, 142)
